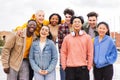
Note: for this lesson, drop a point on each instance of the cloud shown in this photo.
(15, 12)
(97, 3)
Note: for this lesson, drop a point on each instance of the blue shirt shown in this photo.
(105, 52)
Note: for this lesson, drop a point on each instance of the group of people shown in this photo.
(32, 50)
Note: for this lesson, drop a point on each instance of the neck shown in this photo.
(100, 38)
(93, 27)
(53, 25)
(29, 34)
(42, 39)
(69, 25)
(76, 32)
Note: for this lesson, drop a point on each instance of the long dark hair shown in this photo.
(107, 26)
(50, 36)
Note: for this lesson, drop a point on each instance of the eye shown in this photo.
(46, 30)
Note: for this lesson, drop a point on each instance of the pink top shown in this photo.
(77, 51)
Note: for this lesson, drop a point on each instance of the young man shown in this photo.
(63, 30)
(39, 18)
(77, 52)
(15, 53)
(90, 26)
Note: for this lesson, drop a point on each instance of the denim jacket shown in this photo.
(45, 60)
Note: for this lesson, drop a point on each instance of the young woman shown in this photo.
(105, 53)
(43, 56)
(54, 22)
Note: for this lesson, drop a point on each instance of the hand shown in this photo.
(63, 68)
(19, 32)
(89, 68)
(6, 70)
(43, 72)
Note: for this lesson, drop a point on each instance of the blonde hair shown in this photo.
(38, 11)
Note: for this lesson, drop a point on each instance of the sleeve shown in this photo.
(45, 22)
(20, 27)
(112, 53)
(90, 51)
(54, 58)
(63, 54)
(6, 51)
(59, 37)
(24, 25)
(32, 60)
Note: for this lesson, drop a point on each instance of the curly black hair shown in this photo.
(69, 11)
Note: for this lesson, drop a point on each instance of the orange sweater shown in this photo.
(77, 51)
(28, 45)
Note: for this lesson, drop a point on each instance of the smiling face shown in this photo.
(40, 16)
(92, 21)
(102, 30)
(44, 32)
(54, 20)
(68, 18)
(31, 26)
(77, 24)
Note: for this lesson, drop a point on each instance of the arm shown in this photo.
(63, 54)
(112, 53)
(20, 27)
(90, 52)
(60, 37)
(6, 52)
(54, 58)
(32, 60)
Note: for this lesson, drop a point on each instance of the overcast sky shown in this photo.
(16, 12)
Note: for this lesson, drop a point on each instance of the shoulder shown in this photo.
(95, 39)
(36, 41)
(69, 36)
(108, 38)
(11, 36)
(86, 35)
(85, 25)
(64, 25)
(50, 41)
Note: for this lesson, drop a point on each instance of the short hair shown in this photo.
(68, 11)
(59, 17)
(92, 14)
(79, 17)
(38, 11)
(32, 20)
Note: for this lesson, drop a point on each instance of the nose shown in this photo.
(33, 26)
